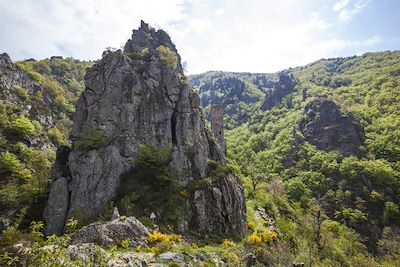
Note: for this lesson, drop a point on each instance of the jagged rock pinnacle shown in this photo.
(133, 97)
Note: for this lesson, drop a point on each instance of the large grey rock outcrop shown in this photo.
(134, 97)
(282, 88)
(113, 233)
(219, 207)
(328, 127)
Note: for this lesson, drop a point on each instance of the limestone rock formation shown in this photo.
(329, 127)
(134, 97)
(282, 88)
(113, 233)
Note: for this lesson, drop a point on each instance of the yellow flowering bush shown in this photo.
(254, 239)
(251, 226)
(126, 244)
(227, 244)
(269, 236)
(163, 242)
(261, 238)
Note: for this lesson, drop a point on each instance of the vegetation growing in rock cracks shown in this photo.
(168, 56)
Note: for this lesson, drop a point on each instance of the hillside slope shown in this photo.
(37, 100)
(320, 161)
(358, 188)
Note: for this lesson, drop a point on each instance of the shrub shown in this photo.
(28, 68)
(168, 56)
(376, 197)
(217, 170)
(227, 244)
(151, 186)
(269, 236)
(91, 139)
(185, 194)
(22, 126)
(59, 101)
(232, 258)
(38, 97)
(254, 239)
(145, 51)
(125, 244)
(10, 194)
(7, 259)
(10, 163)
(157, 237)
(162, 242)
(22, 93)
(391, 211)
(57, 137)
(52, 86)
(251, 226)
(258, 239)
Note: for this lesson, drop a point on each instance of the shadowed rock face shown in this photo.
(282, 88)
(136, 97)
(329, 128)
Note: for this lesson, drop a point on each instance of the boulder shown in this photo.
(218, 207)
(171, 256)
(86, 253)
(131, 259)
(250, 259)
(113, 233)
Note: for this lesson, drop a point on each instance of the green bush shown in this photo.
(217, 170)
(59, 101)
(91, 139)
(391, 211)
(23, 127)
(10, 163)
(168, 56)
(151, 186)
(22, 93)
(28, 68)
(52, 86)
(57, 137)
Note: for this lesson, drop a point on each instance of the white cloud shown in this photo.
(347, 9)
(340, 5)
(265, 37)
(231, 35)
(82, 29)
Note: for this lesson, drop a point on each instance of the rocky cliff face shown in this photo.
(134, 97)
(20, 89)
(282, 88)
(328, 127)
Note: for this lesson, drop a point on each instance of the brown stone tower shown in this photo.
(217, 125)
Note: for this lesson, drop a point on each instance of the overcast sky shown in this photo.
(229, 35)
